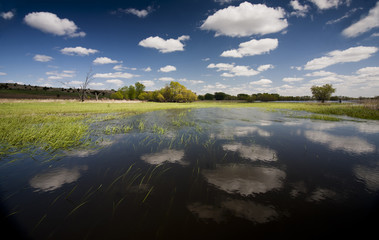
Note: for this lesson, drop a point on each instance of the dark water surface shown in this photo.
(202, 173)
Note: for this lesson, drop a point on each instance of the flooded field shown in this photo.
(201, 173)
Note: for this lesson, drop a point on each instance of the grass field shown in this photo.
(64, 124)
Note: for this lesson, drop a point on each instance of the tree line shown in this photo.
(173, 92)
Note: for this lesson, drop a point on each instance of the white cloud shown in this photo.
(94, 84)
(116, 82)
(139, 13)
(115, 75)
(300, 10)
(368, 71)
(166, 79)
(42, 58)
(353, 54)
(121, 68)
(148, 69)
(55, 75)
(321, 73)
(79, 51)
(232, 70)
(147, 83)
(164, 46)
(50, 23)
(347, 15)
(289, 79)
(217, 87)
(104, 60)
(2, 74)
(75, 82)
(191, 81)
(252, 47)
(168, 68)
(7, 15)
(245, 20)
(365, 24)
(265, 67)
(262, 82)
(222, 2)
(326, 4)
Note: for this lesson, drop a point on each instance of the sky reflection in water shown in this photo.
(229, 170)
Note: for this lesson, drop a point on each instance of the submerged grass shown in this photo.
(65, 124)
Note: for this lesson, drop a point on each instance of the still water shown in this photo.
(201, 173)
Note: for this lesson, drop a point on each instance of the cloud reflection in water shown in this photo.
(347, 144)
(253, 152)
(56, 178)
(245, 179)
(167, 155)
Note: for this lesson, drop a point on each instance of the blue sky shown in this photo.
(278, 46)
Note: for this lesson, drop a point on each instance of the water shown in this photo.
(202, 173)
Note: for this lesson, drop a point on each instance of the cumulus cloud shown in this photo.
(326, 4)
(231, 70)
(148, 69)
(2, 74)
(191, 81)
(365, 24)
(168, 68)
(166, 79)
(79, 51)
(147, 83)
(7, 15)
(121, 68)
(245, 20)
(289, 79)
(222, 2)
(55, 75)
(262, 82)
(300, 10)
(265, 67)
(96, 84)
(164, 46)
(115, 75)
(368, 71)
(50, 23)
(252, 47)
(139, 13)
(353, 54)
(42, 58)
(104, 60)
(116, 82)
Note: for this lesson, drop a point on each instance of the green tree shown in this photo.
(140, 88)
(208, 96)
(125, 92)
(220, 96)
(117, 95)
(132, 92)
(323, 93)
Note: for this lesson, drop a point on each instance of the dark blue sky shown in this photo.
(210, 45)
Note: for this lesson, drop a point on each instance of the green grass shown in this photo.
(65, 124)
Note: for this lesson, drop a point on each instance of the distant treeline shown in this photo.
(264, 97)
(14, 90)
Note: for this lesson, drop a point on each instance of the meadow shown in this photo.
(52, 125)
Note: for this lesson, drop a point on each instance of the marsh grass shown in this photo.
(52, 126)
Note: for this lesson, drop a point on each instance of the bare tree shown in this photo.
(84, 87)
